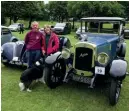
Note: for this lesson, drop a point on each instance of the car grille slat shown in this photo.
(83, 58)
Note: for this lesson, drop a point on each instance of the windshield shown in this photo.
(14, 25)
(60, 25)
(111, 27)
(5, 31)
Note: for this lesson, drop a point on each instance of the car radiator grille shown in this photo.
(83, 58)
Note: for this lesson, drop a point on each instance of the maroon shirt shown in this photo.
(33, 40)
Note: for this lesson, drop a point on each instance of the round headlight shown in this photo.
(65, 53)
(103, 58)
(1, 50)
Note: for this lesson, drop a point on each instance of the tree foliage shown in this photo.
(62, 10)
(58, 10)
(90, 8)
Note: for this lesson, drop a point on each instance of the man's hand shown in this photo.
(43, 52)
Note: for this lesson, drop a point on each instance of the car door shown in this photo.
(5, 35)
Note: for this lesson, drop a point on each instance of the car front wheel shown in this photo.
(54, 74)
(114, 91)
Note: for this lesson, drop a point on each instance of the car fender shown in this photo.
(118, 68)
(52, 58)
(13, 38)
(122, 50)
(8, 50)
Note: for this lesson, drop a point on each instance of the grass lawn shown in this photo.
(68, 97)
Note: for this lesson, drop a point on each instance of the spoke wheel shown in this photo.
(54, 74)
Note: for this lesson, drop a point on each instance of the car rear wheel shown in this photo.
(54, 75)
(114, 91)
(5, 61)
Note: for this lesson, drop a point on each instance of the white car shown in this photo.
(14, 27)
(78, 32)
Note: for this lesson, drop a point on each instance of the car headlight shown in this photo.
(103, 58)
(1, 50)
(65, 53)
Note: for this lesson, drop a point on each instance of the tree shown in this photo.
(11, 9)
(31, 10)
(58, 10)
(125, 4)
(90, 9)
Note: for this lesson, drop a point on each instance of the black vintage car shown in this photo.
(62, 28)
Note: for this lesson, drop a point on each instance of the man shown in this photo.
(33, 42)
(50, 42)
(21, 29)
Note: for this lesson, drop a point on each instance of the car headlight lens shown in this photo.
(103, 58)
(1, 50)
(65, 53)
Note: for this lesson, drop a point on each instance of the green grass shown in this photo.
(68, 97)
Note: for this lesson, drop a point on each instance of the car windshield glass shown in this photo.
(60, 25)
(111, 27)
(5, 31)
(14, 25)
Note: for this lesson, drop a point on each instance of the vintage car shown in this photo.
(126, 33)
(6, 35)
(98, 57)
(15, 27)
(15, 52)
(62, 28)
(78, 32)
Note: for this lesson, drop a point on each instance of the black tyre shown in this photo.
(6, 63)
(14, 40)
(54, 75)
(4, 58)
(114, 93)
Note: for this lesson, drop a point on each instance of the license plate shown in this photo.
(15, 58)
(100, 70)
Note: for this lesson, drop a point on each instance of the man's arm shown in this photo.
(26, 38)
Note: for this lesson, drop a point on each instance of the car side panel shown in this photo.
(5, 38)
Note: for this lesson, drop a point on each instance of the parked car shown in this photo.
(15, 52)
(98, 57)
(126, 33)
(62, 28)
(78, 32)
(6, 35)
(15, 27)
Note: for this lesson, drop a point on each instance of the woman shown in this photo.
(50, 41)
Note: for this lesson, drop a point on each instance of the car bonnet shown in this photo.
(99, 39)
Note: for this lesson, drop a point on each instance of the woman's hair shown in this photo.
(47, 26)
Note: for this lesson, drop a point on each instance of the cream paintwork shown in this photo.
(90, 46)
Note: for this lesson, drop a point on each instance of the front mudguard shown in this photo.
(118, 69)
(52, 58)
(13, 38)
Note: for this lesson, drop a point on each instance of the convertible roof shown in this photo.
(103, 19)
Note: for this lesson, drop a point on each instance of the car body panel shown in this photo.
(14, 27)
(6, 35)
(99, 43)
(62, 28)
